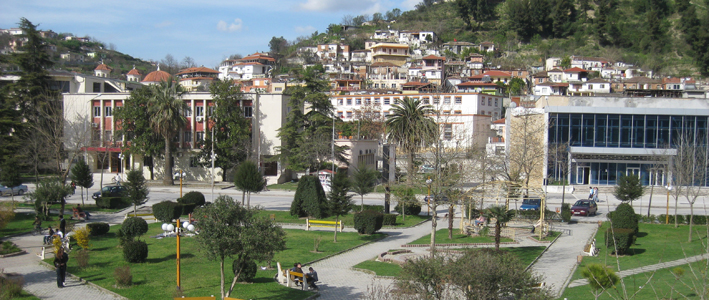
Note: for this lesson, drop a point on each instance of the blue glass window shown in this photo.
(650, 131)
(626, 130)
(663, 131)
(638, 131)
(588, 130)
(563, 128)
(601, 130)
(676, 130)
(613, 130)
(575, 137)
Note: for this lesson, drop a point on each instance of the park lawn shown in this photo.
(22, 223)
(348, 220)
(655, 243)
(288, 186)
(156, 279)
(552, 235)
(525, 254)
(24, 295)
(442, 238)
(68, 207)
(663, 283)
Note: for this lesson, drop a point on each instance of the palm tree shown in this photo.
(501, 215)
(410, 126)
(166, 109)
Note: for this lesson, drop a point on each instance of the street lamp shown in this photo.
(667, 212)
(428, 198)
(121, 157)
(189, 227)
(181, 174)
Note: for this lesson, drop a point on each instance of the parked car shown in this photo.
(584, 208)
(18, 190)
(531, 204)
(111, 191)
(426, 169)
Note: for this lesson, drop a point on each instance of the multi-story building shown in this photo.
(256, 65)
(396, 54)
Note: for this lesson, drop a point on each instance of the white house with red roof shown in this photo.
(551, 88)
(257, 65)
(102, 70)
(575, 74)
(133, 75)
(589, 87)
(197, 78)
(589, 63)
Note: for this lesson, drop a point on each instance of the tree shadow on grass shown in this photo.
(641, 234)
(636, 251)
(169, 257)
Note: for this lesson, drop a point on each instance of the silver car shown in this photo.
(18, 190)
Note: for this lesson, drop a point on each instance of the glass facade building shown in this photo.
(604, 146)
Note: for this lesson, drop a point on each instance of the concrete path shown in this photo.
(650, 268)
(558, 263)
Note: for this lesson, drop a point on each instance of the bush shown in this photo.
(111, 202)
(411, 208)
(680, 219)
(566, 212)
(81, 236)
(82, 258)
(623, 239)
(358, 208)
(368, 221)
(167, 211)
(662, 218)
(187, 208)
(389, 219)
(10, 288)
(135, 251)
(698, 220)
(624, 217)
(248, 270)
(192, 197)
(123, 276)
(134, 226)
(98, 228)
(309, 199)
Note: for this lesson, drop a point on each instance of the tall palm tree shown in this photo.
(501, 215)
(409, 124)
(166, 108)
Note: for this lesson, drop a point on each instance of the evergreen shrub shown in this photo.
(248, 270)
(192, 197)
(389, 219)
(310, 199)
(98, 228)
(167, 211)
(624, 217)
(133, 227)
(111, 202)
(411, 208)
(368, 221)
(623, 239)
(135, 251)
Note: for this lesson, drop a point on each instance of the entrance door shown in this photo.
(657, 177)
(583, 174)
(632, 171)
(115, 162)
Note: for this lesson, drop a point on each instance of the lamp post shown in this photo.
(428, 198)
(121, 157)
(667, 212)
(181, 174)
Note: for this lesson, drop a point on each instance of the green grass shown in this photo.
(68, 207)
(22, 223)
(25, 296)
(525, 254)
(442, 238)
(348, 220)
(288, 186)
(661, 285)
(552, 235)
(8, 247)
(655, 243)
(380, 268)
(156, 278)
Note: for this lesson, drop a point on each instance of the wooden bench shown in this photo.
(79, 215)
(328, 224)
(287, 277)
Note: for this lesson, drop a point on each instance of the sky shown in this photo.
(207, 31)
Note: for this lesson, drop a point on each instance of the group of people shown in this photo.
(311, 276)
(593, 194)
(61, 257)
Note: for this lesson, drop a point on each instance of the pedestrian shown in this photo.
(590, 192)
(595, 194)
(79, 210)
(117, 179)
(62, 224)
(48, 237)
(60, 260)
(73, 187)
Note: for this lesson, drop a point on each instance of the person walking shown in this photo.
(590, 192)
(62, 224)
(60, 260)
(595, 194)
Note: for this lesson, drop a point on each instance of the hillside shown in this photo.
(646, 33)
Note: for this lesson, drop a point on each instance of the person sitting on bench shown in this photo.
(312, 278)
(81, 211)
(297, 267)
(49, 236)
(480, 220)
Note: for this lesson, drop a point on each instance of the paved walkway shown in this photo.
(650, 268)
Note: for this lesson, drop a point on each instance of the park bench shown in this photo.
(79, 215)
(286, 277)
(329, 224)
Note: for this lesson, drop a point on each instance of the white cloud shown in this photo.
(236, 26)
(409, 4)
(306, 29)
(163, 24)
(338, 5)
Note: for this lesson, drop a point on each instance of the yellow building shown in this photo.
(396, 54)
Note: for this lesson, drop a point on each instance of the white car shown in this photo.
(18, 190)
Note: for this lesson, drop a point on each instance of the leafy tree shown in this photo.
(51, 190)
(501, 215)
(339, 202)
(409, 125)
(405, 196)
(137, 190)
(473, 10)
(227, 229)
(563, 18)
(629, 188)
(516, 86)
(364, 181)
(166, 109)
(10, 176)
(231, 129)
(600, 278)
(520, 19)
(425, 276)
(136, 126)
(249, 180)
(10, 120)
(565, 62)
(309, 199)
(82, 176)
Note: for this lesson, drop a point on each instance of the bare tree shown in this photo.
(170, 64)
(526, 151)
(559, 160)
(688, 171)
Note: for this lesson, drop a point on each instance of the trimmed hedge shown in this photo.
(389, 219)
(411, 209)
(135, 251)
(624, 217)
(358, 208)
(566, 212)
(192, 197)
(248, 270)
(624, 237)
(98, 228)
(111, 202)
(187, 208)
(697, 220)
(167, 211)
(368, 221)
(134, 226)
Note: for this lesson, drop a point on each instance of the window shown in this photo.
(448, 132)
(349, 101)
(603, 86)
(426, 100)
(446, 112)
(446, 100)
(458, 112)
(393, 85)
(590, 86)
(349, 114)
(482, 112)
(108, 111)
(210, 111)
(340, 101)
(358, 101)
(458, 100)
(340, 114)
(187, 112)
(199, 110)
(248, 111)
(199, 136)
(495, 116)
(278, 89)
(188, 137)
(108, 135)
(482, 101)
(496, 102)
(97, 111)
(376, 85)
(489, 102)
(97, 87)
(367, 101)
(376, 101)
(386, 101)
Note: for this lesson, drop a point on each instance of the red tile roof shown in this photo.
(433, 57)
(477, 83)
(156, 76)
(494, 73)
(134, 72)
(197, 78)
(500, 121)
(575, 70)
(197, 70)
(103, 67)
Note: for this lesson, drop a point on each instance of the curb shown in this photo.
(346, 250)
(576, 265)
(81, 280)
(13, 254)
(370, 272)
(540, 254)
(456, 245)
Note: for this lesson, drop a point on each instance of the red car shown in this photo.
(584, 208)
